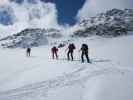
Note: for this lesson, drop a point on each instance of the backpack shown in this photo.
(84, 47)
(54, 49)
(71, 47)
(28, 49)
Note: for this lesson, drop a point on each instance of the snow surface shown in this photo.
(38, 77)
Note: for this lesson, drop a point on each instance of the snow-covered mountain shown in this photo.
(30, 37)
(27, 37)
(114, 22)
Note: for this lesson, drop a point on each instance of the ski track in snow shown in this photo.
(79, 76)
(81, 73)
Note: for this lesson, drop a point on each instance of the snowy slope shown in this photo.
(38, 77)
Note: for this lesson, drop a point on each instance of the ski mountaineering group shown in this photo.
(70, 51)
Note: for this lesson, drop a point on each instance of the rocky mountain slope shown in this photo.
(29, 38)
(114, 22)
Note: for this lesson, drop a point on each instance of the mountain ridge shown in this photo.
(29, 37)
(113, 22)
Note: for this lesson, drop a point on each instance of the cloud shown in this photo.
(92, 7)
(30, 15)
(2, 2)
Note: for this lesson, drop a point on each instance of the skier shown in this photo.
(70, 48)
(28, 51)
(54, 51)
(84, 49)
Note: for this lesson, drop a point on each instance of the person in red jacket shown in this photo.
(54, 51)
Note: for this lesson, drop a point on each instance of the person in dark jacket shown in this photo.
(84, 49)
(28, 51)
(54, 51)
(70, 48)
